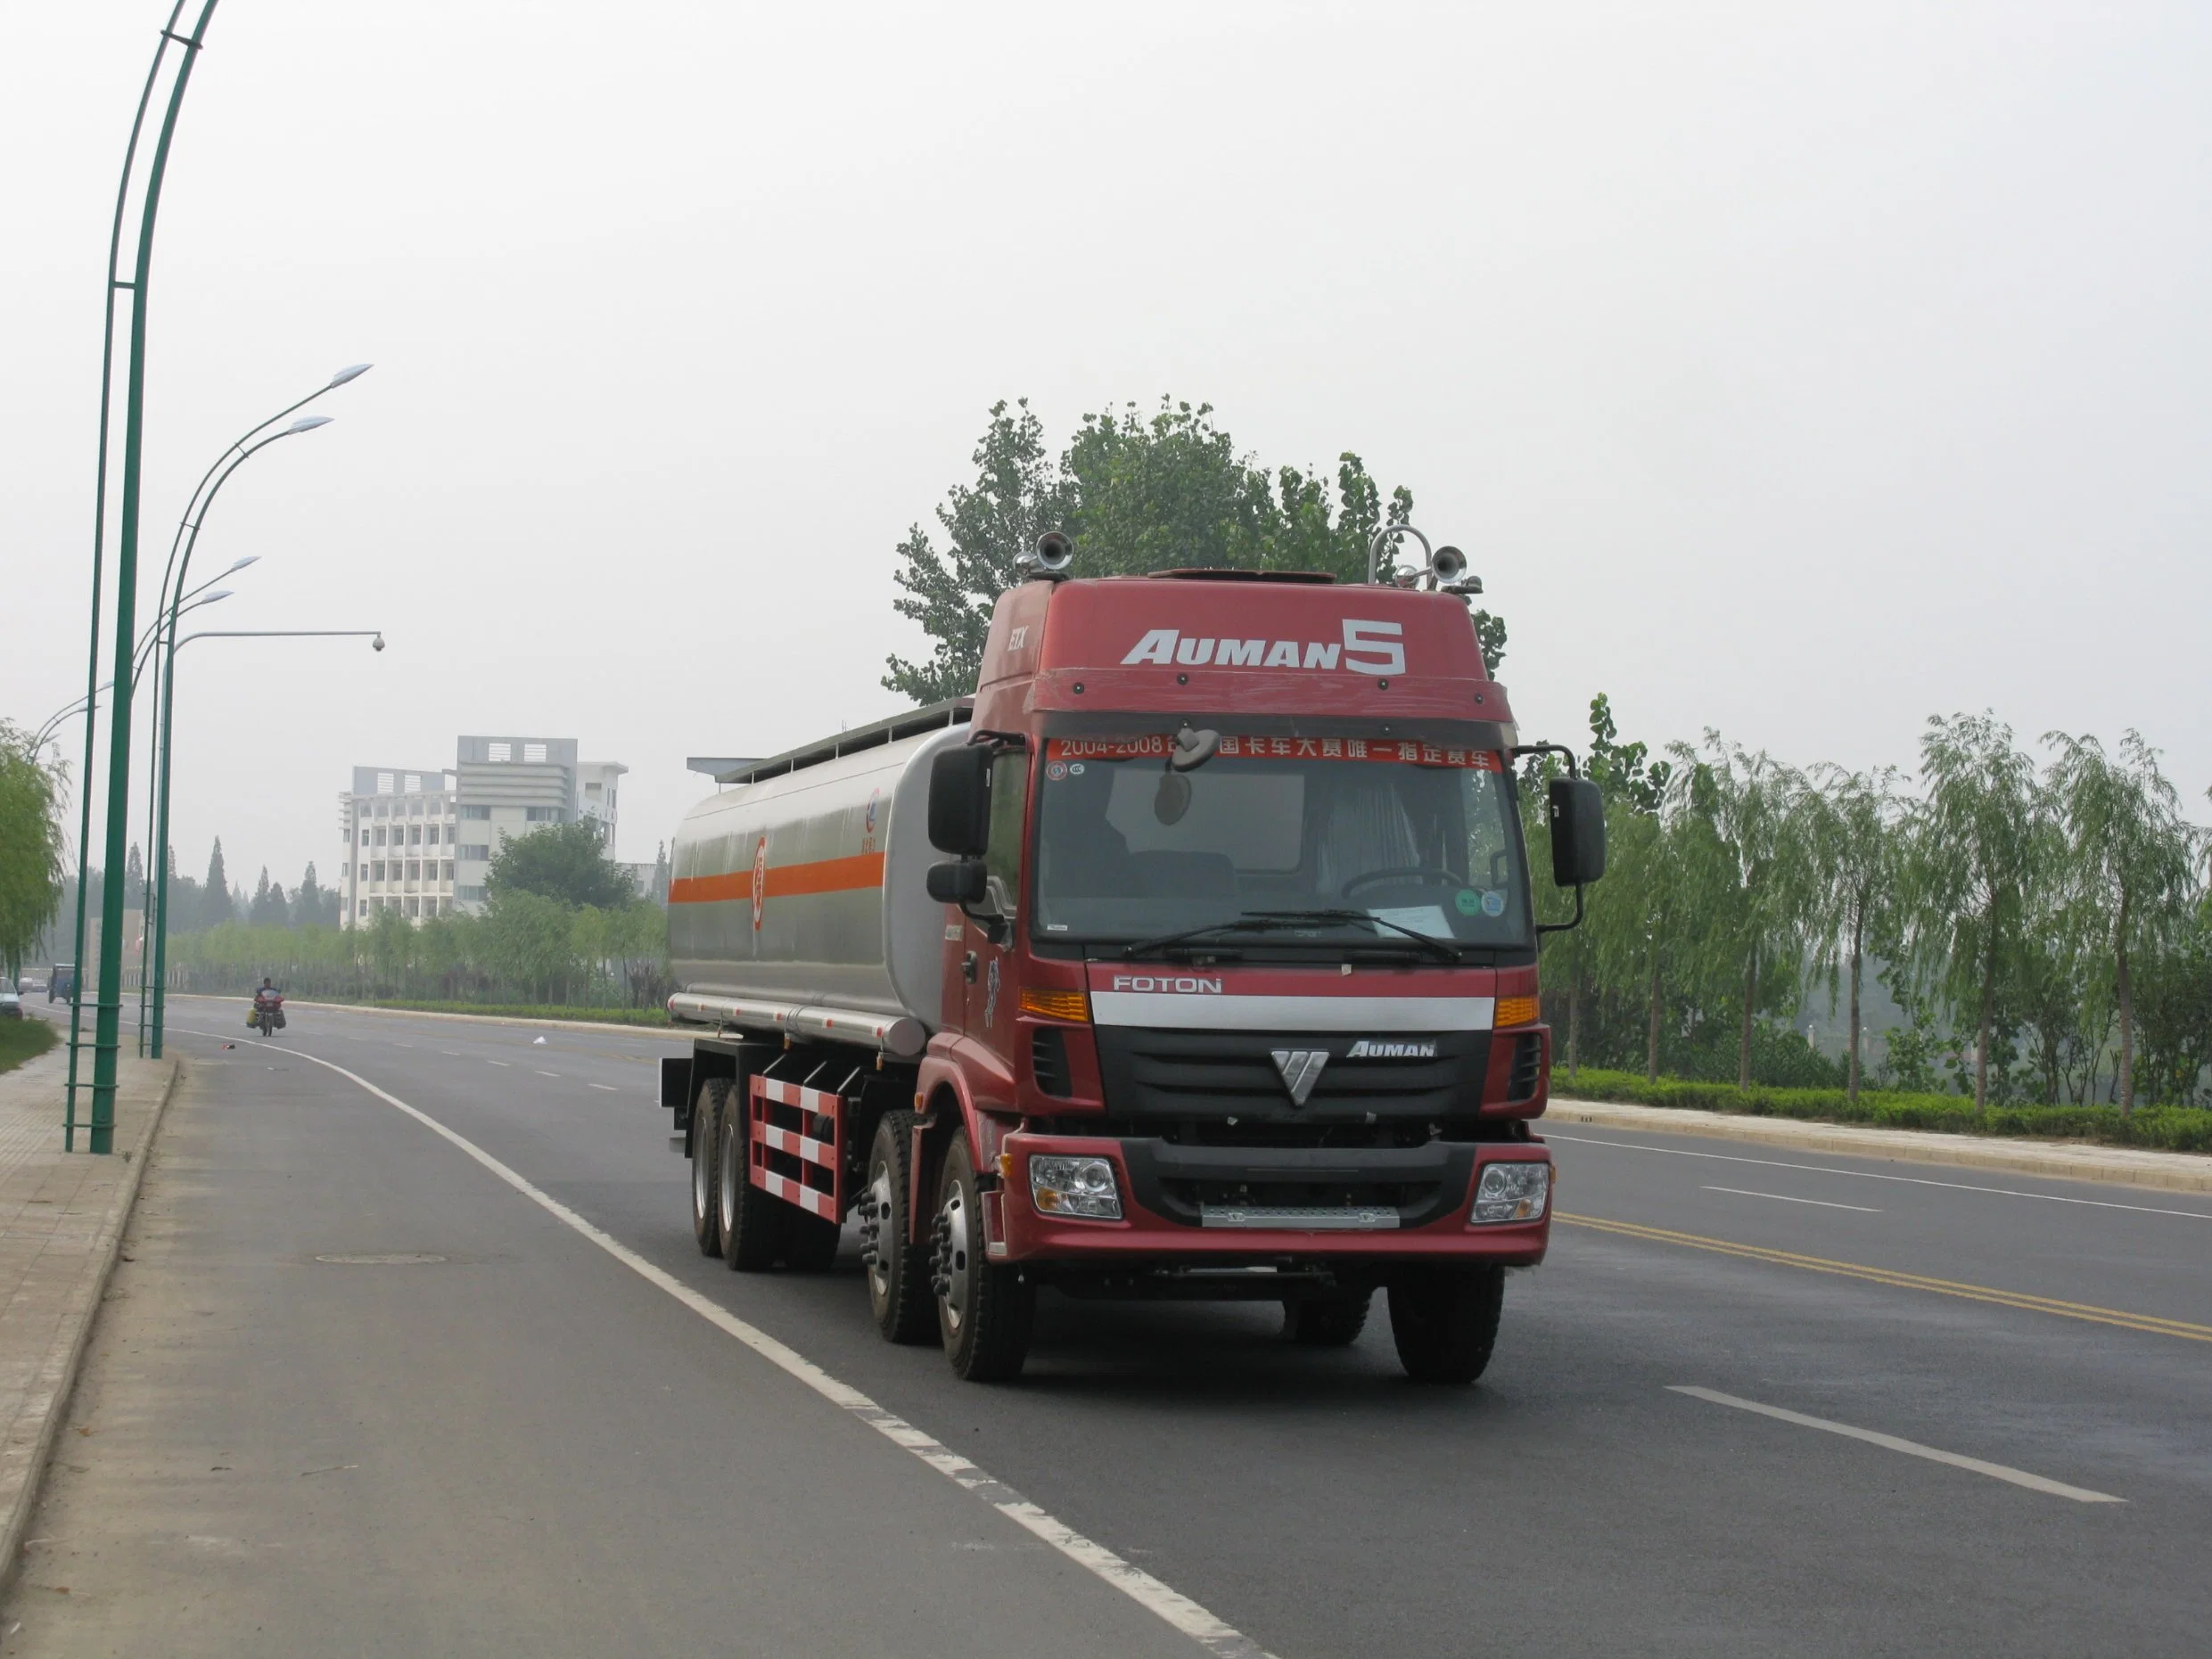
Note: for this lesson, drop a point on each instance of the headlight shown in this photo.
(1512, 1192)
(1077, 1186)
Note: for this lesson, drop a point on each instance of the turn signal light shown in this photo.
(1057, 1004)
(1517, 1011)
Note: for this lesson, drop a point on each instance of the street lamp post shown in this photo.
(105, 1037)
(168, 696)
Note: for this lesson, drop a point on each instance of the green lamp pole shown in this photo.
(169, 697)
(107, 1029)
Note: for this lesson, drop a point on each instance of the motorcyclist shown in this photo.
(267, 995)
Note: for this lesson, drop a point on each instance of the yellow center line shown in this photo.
(2152, 1323)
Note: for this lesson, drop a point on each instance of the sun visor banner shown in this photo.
(1397, 751)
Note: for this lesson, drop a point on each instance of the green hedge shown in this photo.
(516, 1010)
(21, 1040)
(2169, 1129)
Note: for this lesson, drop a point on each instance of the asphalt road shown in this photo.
(530, 1445)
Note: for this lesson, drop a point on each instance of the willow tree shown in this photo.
(1979, 840)
(1847, 833)
(30, 848)
(2130, 861)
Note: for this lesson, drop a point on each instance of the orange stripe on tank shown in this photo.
(854, 874)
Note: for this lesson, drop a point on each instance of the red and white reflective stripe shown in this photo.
(790, 1192)
(821, 1152)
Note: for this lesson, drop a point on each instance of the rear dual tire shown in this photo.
(898, 1271)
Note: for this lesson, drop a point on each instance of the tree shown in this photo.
(310, 905)
(134, 879)
(30, 848)
(1849, 872)
(216, 905)
(1979, 839)
(1740, 866)
(268, 908)
(2131, 860)
(529, 940)
(1138, 493)
(566, 863)
(1018, 496)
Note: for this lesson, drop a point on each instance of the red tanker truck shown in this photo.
(1194, 956)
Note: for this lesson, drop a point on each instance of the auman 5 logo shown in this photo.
(1366, 648)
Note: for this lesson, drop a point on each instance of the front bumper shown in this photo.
(1165, 1219)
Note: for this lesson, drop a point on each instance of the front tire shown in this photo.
(707, 1157)
(1444, 1321)
(751, 1221)
(898, 1271)
(984, 1313)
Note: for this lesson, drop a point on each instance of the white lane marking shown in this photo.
(502, 1064)
(548, 1074)
(1910, 1448)
(608, 1086)
(450, 1054)
(396, 1043)
(1140, 1587)
(1871, 1175)
(1745, 1192)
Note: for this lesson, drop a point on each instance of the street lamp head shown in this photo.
(239, 564)
(377, 643)
(352, 372)
(221, 593)
(308, 423)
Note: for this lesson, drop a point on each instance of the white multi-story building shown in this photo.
(398, 827)
(423, 842)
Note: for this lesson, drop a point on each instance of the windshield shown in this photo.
(1416, 836)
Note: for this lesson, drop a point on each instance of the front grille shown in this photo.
(1047, 1061)
(1203, 1079)
(1528, 1056)
(1183, 1183)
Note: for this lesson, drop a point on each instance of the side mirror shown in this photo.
(963, 882)
(1576, 813)
(959, 803)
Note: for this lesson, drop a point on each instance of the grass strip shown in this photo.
(25, 1039)
(2161, 1129)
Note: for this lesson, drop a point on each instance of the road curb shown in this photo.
(672, 1033)
(2172, 1171)
(66, 1355)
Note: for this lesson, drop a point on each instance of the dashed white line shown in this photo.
(1745, 1192)
(502, 1064)
(1872, 1175)
(549, 1073)
(1910, 1448)
(608, 1086)
(450, 1054)
(1170, 1605)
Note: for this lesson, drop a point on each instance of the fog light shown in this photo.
(1512, 1192)
(1076, 1187)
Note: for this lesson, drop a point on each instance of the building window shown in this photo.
(481, 854)
(433, 834)
(534, 753)
(476, 812)
(363, 910)
(448, 869)
(414, 787)
(542, 815)
(376, 871)
(469, 895)
(500, 751)
(414, 906)
(384, 787)
(595, 790)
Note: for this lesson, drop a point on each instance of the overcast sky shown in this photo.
(1799, 371)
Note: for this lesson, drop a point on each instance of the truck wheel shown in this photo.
(809, 1242)
(1445, 1321)
(983, 1312)
(898, 1272)
(752, 1222)
(1326, 1321)
(706, 1152)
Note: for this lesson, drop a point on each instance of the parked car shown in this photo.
(11, 1005)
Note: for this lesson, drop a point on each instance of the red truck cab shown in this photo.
(1240, 983)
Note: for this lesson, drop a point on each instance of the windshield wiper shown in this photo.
(1288, 920)
(1442, 950)
(1248, 922)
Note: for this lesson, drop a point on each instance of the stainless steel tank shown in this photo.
(797, 903)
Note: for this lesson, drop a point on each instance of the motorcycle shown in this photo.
(268, 1012)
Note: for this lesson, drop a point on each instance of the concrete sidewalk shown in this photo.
(62, 1219)
(2176, 1171)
